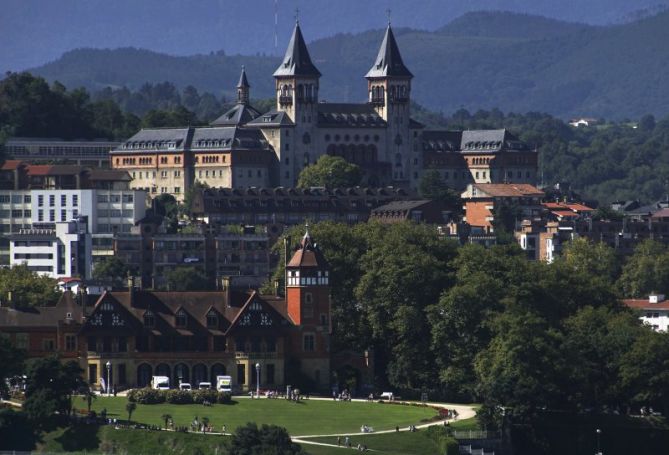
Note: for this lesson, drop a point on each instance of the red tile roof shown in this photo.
(509, 189)
(11, 165)
(644, 304)
(664, 213)
(308, 255)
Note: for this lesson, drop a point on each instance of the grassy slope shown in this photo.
(92, 440)
(306, 417)
(403, 443)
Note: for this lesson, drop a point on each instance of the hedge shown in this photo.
(152, 396)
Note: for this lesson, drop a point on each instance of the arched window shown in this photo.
(181, 318)
(300, 92)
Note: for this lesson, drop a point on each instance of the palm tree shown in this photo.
(166, 418)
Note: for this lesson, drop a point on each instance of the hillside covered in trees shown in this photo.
(486, 60)
(610, 162)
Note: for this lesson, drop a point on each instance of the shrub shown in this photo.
(224, 397)
(199, 396)
(146, 396)
(179, 397)
(447, 445)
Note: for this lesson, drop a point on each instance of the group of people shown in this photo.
(366, 429)
(203, 427)
(342, 396)
(347, 443)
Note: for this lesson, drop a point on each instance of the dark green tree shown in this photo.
(11, 362)
(187, 278)
(24, 288)
(433, 187)
(113, 270)
(646, 271)
(330, 172)
(266, 440)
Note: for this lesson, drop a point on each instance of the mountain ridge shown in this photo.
(514, 62)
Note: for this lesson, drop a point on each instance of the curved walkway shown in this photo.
(464, 412)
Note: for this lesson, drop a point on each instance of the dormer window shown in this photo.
(181, 318)
(149, 320)
(212, 319)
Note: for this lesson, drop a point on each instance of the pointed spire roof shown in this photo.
(389, 62)
(297, 61)
(308, 254)
(243, 81)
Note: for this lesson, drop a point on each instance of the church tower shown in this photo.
(243, 88)
(297, 79)
(308, 305)
(389, 88)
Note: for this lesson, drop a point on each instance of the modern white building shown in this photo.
(653, 311)
(63, 251)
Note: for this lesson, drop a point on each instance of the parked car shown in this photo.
(185, 386)
(204, 386)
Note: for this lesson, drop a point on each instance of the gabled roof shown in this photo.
(308, 255)
(297, 61)
(239, 114)
(272, 118)
(644, 304)
(389, 62)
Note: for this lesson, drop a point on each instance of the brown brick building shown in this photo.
(191, 336)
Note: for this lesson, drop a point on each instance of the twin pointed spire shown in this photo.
(389, 62)
(243, 92)
(297, 61)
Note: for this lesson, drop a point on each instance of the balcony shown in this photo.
(285, 100)
(255, 355)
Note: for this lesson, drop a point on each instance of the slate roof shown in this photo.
(44, 316)
(297, 61)
(349, 116)
(272, 118)
(239, 114)
(401, 206)
(441, 141)
(243, 81)
(490, 141)
(208, 137)
(389, 62)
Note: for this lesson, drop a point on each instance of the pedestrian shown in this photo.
(347, 441)
(338, 440)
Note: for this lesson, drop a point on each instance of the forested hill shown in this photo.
(510, 61)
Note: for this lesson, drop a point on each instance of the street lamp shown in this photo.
(257, 380)
(599, 447)
(108, 377)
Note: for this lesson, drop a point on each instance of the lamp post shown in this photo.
(257, 380)
(599, 447)
(108, 365)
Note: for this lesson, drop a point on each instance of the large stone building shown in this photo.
(193, 336)
(246, 148)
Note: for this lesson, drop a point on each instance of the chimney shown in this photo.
(225, 287)
(131, 289)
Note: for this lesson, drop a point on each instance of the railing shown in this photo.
(476, 434)
(255, 355)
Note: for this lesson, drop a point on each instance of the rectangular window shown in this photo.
(52, 215)
(241, 374)
(269, 373)
(52, 200)
(177, 189)
(63, 215)
(48, 345)
(16, 198)
(122, 344)
(308, 344)
(40, 201)
(63, 199)
(70, 343)
(27, 199)
(22, 341)
(121, 375)
(17, 213)
(75, 200)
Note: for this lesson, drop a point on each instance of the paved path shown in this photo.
(464, 412)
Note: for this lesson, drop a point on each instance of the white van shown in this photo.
(160, 383)
(204, 386)
(224, 383)
(185, 386)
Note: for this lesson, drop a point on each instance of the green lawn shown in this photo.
(402, 443)
(309, 417)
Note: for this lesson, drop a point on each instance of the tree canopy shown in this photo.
(330, 172)
(24, 288)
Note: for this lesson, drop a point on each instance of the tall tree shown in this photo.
(24, 288)
(113, 270)
(266, 440)
(330, 172)
(11, 362)
(187, 279)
